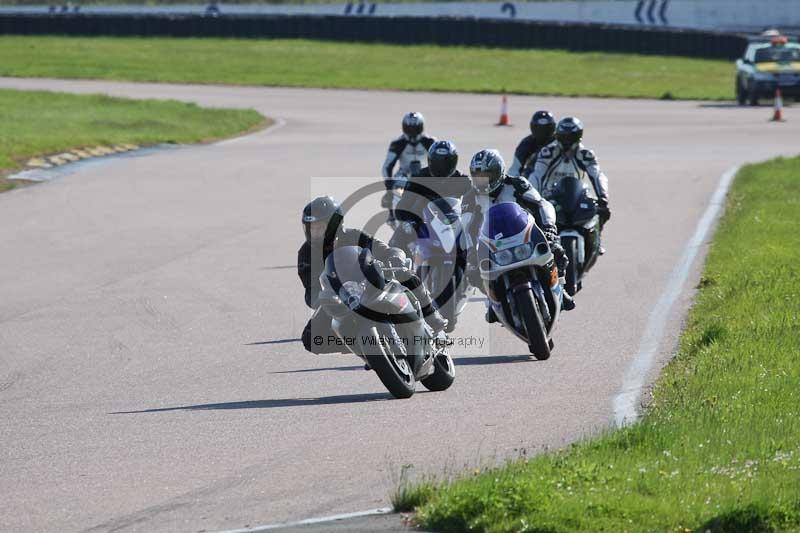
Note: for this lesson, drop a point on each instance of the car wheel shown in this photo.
(752, 97)
(741, 97)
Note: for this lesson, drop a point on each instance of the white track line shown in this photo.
(310, 521)
(625, 402)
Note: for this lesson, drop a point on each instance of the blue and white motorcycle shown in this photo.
(440, 256)
(519, 276)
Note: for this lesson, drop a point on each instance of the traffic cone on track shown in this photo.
(503, 113)
(777, 115)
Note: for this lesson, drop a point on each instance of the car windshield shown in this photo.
(779, 54)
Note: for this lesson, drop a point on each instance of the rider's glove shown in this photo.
(603, 211)
(397, 262)
(408, 228)
(560, 257)
(551, 234)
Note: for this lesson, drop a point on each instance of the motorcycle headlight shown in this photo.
(515, 254)
(503, 257)
(351, 293)
(523, 251)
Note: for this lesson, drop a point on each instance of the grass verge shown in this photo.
(37, 122)
(303, 63)
(719, 450)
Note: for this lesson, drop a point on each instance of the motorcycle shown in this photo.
(381, 321)
(519, 276)
(399, 181)
(578, 227)
(440, 257)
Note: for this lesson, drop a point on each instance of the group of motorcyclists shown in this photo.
(427, 172)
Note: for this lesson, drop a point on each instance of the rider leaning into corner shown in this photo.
(408, 152)
(440, 179)
(324, 232)
(567, 156)
(543, 129)
(492, 186)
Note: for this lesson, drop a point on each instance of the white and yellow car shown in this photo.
(766, 66)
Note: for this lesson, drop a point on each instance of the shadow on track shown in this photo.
(491, 360)
(270, 404)
(326, 369)
(279, 341)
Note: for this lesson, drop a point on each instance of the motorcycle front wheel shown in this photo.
(531, 316)
(394, 372)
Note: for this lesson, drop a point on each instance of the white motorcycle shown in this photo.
(441, 257)
(381, 321)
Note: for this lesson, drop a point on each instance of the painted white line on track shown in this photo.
(626, 400)
(278, 124)
(311, 521)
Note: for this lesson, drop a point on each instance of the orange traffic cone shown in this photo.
(777, 115)
(503, 113)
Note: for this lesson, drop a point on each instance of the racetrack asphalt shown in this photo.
(151, 377)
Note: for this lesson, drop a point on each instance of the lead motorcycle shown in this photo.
(578, 227)
(519, 276)
(440, 254)
(381, 321)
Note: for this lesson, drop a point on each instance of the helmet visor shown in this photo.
(568, 139)
(316, 230)
(442, 167)
(483, 181)
(543, 133)
(412, 130)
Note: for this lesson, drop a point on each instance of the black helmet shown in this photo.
(442, 159)
(322, 217)
(413, 124)
(569, 132)
(543, 127)
(488, 170)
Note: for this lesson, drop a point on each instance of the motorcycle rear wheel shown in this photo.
(528, 309)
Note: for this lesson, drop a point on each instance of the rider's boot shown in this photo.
(490, 316)
(435, 319)
(567, 302)
(432, 315)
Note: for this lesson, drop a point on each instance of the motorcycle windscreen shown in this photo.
(442, 225)
(504, 220)
(445, 209)
(572, 201)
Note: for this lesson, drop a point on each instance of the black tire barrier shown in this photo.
(452, 31)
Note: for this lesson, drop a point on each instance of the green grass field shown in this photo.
(37, 123)
(719, 450)
(302, 63)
